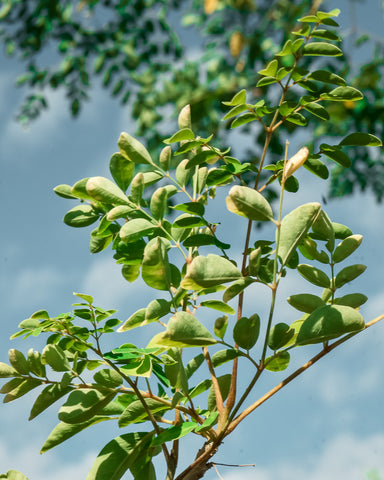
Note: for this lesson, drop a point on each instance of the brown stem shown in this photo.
(215, 383)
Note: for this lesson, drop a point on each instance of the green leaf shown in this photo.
(121, 211)
(183, 330)
(317, 167)
(361, 139)
(305, 302)
(266, 81)
(173, 433)
(183, 173)
(337, 155)
(323, 49)
(133, 150)
(327, 77)
(13, 474)
(18, 361)
(121, 170)
(199, 240)
(108, 378)
(270, 70)
(329, 322)
(81, 216)
(294, 227)
(314, 275)
(157, 309)
(240, 97)
(158, 204)
(224, 356)
(119, 455)
(237, 287)
(193, 208)
(17, 387)
(279, 335)
(218, 305)
(47, 397)
(325, 35)
(278, 362)
(323, 227)
(208, 156)
(341, 231)
(248, 203)
(236, 111)
(136, 413)
(55, 357)
(353, 300)
(246, 331)
(181, 136)
(135, 320)
(209, 271)
(135, 229)
(194, 364)
(64, 431)
(297, 119)
(243, 119)
(175, 371)
(343, 94)
(316, 110)
(155, 270)
(130, 272)
(104, 190)
(348, 274)
(7, 371)
(220, 326)
(346, 248)
(82, 405)
(208, 422)
(184, 118)
(64, 191)
(224, 386)
(165, 158)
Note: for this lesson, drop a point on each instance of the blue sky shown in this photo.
(328, 424)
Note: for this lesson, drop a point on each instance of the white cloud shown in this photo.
(36, 467)
(33, 286)
(345, 457)
(105, 284)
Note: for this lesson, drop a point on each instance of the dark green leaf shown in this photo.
(136, 413)
(246, 331)
(155, 268)
(220, 326)
(343, 94)
(47, 397)
(314, 275)
(353, 300)
(361, 139)
(224, 356)
(322, 48)
(119, 455)
(279, 335)
(173, 433)
(121, 170)
(82, 405)
(348, 274)
(305, 302)
(64, 431)
(224, 385)
(81, 216)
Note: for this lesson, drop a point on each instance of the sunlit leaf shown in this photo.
(248, 203)
(329, 322)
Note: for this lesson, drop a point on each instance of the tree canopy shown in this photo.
(155, 56)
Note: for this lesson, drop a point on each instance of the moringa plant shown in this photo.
(185, 379)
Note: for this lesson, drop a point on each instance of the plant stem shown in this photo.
(296, 373)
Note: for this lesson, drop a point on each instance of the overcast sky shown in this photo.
(328, 424)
